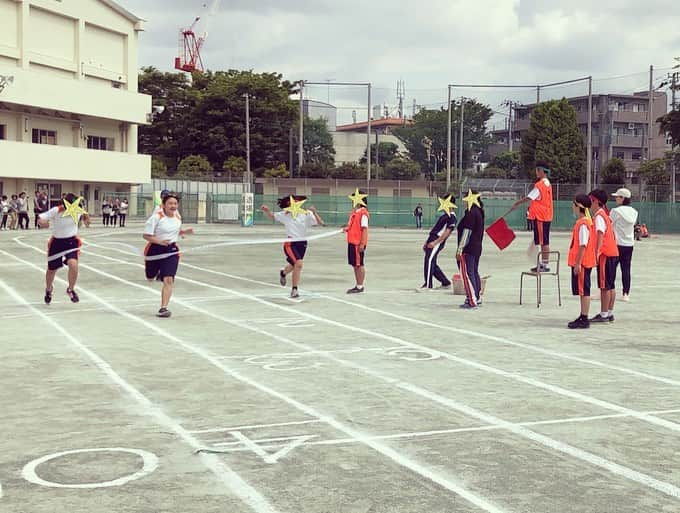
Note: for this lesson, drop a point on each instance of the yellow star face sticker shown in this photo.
(295, 207)
(357, 198)
(73, 210)
(472, 199)
(445, 204)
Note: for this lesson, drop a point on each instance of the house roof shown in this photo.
(375, 123)
(124, 12)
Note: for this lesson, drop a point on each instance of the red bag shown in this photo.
(500, 233)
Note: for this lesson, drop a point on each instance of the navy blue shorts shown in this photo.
(580, 283)
(295, 251)
(541, 233)
(163, 267)
(56, 246)
(606, 272)
(355, 258)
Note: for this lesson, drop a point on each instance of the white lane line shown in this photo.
(254, 426)
(385, 450)
(651, 419)
(471, 333)
(233, 482)
(610, 466)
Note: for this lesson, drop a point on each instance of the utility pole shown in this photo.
(462, 119)
(510, 127)
(248, 175)
(650, 113)
(448, 142)
(368, 140)
(589, 134)
(301, 141)
(674, 87)
(377, 154)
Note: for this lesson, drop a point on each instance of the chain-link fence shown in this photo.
(141, 205)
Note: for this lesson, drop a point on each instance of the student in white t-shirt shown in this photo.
(63, 247)
(296, 225)
(161, 232)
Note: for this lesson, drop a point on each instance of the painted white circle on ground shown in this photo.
(150, 463)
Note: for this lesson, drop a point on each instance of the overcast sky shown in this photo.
(426, 43)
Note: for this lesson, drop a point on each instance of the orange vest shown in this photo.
(588, 259)
(542, 208)
(354, 225)
(609, 247)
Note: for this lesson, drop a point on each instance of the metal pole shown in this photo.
(462, 119)
(377, 154)
(301, 141)
(589, 153)
(247, 134)
(650, 112)
(448, 143)
(538, 94)
(674, 86)
(368, 141)
(510, 128)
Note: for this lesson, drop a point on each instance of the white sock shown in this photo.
(610, 312)
(360, 286)
(604, 314)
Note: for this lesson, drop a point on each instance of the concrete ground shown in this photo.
(389, 401)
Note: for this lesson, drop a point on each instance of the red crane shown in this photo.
(190, 45)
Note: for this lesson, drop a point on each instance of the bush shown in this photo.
(194, 167)
(279, 171)
(158, 168)
(492, 172)
(348, 171)
(401, 169)
(613, 172)
(314, 170)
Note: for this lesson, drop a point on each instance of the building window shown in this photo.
(620, 155)
(100, 143)
(3, 132)
(639, 107)
(44, 136)
(637, 155)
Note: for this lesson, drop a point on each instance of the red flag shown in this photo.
(500, 233)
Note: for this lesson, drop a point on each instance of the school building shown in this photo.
(69, 106)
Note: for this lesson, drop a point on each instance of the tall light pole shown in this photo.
(462, 120)
(368, 141)
(448, 142)
(589, 155)
(301, 135)
(248, 177)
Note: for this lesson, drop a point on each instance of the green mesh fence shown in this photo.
(398, 212)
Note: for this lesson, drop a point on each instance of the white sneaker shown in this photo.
(625, 298)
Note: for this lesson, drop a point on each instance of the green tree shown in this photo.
(318, 145)
(554, 136)
(194, 167)
(508, 161)
(314, 170)
(655, 172)
(400, 168)
(613, 172)
(386, 152)
(670, 125)
(492, 172)
(279, 171)
(430, 125)
(234, 167)
(348, 171)
(158, 168)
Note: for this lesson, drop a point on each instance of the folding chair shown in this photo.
(554, 264)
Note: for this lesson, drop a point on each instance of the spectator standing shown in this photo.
(13, 212)
(418, 214)
(123, 212)
(106, 211)
(22, 209)
(623, 218)
(4, 211)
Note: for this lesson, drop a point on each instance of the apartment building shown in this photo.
(620, 128)
(69, 106)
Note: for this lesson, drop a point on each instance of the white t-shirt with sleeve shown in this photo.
(600, 225)
(62, 227)
(535, 194)
(163, 227)
(296, 227)
(583, 235)
(364, 221)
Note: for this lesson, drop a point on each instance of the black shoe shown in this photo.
(610, 318)
(294, 293)
(540, 269)
(48, 296)
(579, 324)
(599, 318)
(282, 278)
(72, 294)
(164, 312)
(355, 290)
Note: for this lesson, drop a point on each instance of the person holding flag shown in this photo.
(435, 243)
(470, 235)
(540, 212)
(297, 221)
(357, 238)
(64, 245)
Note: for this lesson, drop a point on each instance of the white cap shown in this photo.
(623, 193)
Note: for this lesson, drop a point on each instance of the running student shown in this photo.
(540, 212)
(470, 235)
(161, 232)
(607, 254)
(64, 245)
(435, 243)
(357, 239)
(297, 221)
(581, 258)
(623, 219)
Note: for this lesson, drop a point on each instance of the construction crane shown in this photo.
(190, 46)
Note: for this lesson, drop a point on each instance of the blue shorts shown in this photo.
(163, 267)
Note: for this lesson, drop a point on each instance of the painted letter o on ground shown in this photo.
(150, 463)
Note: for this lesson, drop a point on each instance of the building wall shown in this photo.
(74, 68)
(341, 188)
(351, 146)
